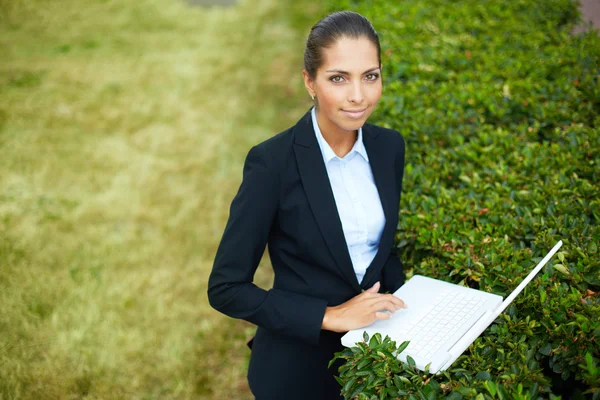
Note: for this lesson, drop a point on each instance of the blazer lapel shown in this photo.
(383, 175)
(320, 196)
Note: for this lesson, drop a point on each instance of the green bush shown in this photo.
(499, 105)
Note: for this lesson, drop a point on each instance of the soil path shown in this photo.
(590, 10)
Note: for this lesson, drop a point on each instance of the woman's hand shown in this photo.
(361, 310)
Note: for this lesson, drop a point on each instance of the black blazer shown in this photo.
(285, 200)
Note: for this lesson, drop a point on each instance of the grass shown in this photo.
(123, 129)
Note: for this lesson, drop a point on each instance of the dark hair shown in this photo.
(331, 28)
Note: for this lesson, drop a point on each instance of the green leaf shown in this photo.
(585, 327)
(331, 362)
(410, 361)
(347, 352)
(491, 387)
(466, 391)
(454, 396)
(465, 178)
(350, 383)
(403, 346)
(484, 375)
(502, 393)
(373, 342)
(363, 373)
(364, 362)
(591, 365)
(401, 381)
(561, 268)
(359, 389)
(546, 349)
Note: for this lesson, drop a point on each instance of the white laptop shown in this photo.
(442, 319)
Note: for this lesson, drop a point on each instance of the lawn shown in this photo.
(123, 129)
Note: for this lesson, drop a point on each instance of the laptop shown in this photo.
(442, 319)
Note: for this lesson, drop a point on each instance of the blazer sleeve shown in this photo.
(230, 287)
(393, 275)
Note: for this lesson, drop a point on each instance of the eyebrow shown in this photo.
(339, 71)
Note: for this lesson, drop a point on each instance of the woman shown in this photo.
(324, 196)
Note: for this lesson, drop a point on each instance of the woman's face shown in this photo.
(347, 85)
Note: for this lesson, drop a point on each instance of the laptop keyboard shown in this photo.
(441, 324)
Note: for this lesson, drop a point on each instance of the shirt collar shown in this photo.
(327, 152)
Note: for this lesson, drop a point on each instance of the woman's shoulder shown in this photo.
(387, 134)
(275, 148)
(273, 151)
(279, 146)
(277, 142)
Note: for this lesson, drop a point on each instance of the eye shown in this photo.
(336, 79)
(372, 77)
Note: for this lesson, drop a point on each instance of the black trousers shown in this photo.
(287, 369)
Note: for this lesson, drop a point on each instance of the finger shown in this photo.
(375, 299)
(374, 288)
(382, 315)
(384, 305)
(398, 302)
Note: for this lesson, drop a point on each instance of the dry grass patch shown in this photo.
(123, 128)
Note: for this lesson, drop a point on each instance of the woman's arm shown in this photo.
(230, 287)
(393, 275)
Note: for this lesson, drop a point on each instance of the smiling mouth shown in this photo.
(355, 113)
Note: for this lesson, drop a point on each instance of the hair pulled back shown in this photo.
(341, 24)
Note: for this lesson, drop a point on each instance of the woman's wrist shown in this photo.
(326, 319)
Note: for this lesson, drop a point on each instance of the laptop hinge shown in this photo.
(473, 333)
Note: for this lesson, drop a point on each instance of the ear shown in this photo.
(308, 83)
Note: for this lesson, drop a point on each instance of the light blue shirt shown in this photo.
(356, 198)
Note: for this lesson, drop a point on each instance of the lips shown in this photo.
(355, 114)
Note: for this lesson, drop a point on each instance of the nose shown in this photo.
(355, 94)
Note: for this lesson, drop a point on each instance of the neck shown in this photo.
(340, 141)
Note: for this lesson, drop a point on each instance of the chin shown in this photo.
(356, 126)
(352, 125)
